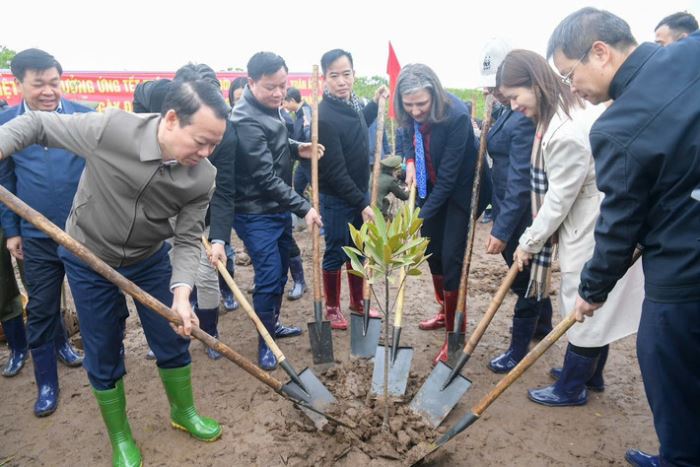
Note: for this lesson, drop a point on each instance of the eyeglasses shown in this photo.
(569, 77)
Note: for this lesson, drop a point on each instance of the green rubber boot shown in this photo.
(183, 415)
(112, 404)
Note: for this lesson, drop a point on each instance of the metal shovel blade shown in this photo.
(455, 346)
(318, 396)
(321, 342)
(434, 404)
(398, 371)
(364, 344)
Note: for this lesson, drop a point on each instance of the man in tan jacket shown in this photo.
(141, 171)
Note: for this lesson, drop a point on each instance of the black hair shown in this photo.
(293, 94)
(575, 35)
(238, 83)
(33, 59)
(681, 22)
(332, 55)
(265, 63)
(192, 72)
(187, 97)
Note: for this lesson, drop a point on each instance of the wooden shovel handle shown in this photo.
(241, 298)
(474, 207)
(524, 364)
(376, 172)
(495, 304)
(398, 314)
(315, 233)
(102, 268)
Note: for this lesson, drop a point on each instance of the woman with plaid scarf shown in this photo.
(566, 204)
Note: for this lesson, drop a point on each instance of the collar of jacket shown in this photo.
(341, 107)
(631, 66)
(150, 149)
(250, 98)
(64, 107)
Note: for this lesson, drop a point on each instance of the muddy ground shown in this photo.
(261, 429)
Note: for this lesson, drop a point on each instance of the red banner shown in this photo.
(115, 89)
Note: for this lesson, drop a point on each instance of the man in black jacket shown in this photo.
(264, 196)
(343, 175)
(647, 154)
(148, 98)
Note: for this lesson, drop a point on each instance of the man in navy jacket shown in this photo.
(46, 179)
(647, 154)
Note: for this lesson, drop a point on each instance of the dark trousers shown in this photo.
(302, 178)
(43, 275)
(102, 313)
(8, 285)
(524, 307)
(447, 231)
(268, 238)
(668, 345)
(337, 214)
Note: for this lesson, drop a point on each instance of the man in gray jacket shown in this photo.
(141, 170)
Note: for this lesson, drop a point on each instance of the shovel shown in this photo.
(290, 391)
(455, 339)
(400, 357)
(440, 385)
(502, 385)
(364, 331)
(320, 335)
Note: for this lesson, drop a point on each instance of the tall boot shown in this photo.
(451, 297)
(208, 321)
(299, 284)
(355, 284)
(64, 350)
(17, 341)
(230, 303)
(266, 358)
(570, 388)
(46, 375)
(523, 328)
(183, 414)
(596, 383)
(282, 331)
(544, 321)
(331, 288)
(112, 403)
(437, 321)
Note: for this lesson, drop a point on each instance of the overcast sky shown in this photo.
(154, 35)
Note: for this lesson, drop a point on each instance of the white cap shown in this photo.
(492, 56)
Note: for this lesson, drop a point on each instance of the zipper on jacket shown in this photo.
(136, 205)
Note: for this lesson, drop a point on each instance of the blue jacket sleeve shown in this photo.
(459, 136)
(621, 218)
(517, 197)
(8, 219)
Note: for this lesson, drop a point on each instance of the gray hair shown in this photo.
(416, 77)
(575, 35)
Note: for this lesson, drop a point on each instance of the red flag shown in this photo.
(392, 68)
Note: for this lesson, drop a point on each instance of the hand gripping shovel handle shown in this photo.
(281, 359)
(483, 324)
(474, 207)
(398, 314)
(315, 234)
(62, 238)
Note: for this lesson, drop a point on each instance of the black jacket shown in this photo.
(264, 161)
(344, 169)
(148, 98)
(453, 153)
(510, 146)
(646, 148)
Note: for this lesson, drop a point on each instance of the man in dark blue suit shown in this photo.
(647, 155)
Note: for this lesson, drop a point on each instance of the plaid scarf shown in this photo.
(353, 102)
(540, 271)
